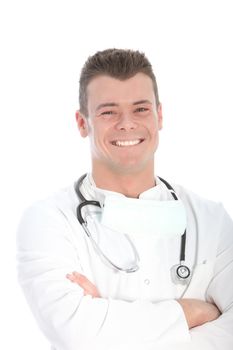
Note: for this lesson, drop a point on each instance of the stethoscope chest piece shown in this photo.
(180, 274)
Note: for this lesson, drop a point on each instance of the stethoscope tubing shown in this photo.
(182, 271)
(111, 264)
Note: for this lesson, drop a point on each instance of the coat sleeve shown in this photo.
(218, 334)
(70, 320)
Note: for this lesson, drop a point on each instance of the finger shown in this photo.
(71, 277)
(84, 282)
(92, 292)
(75, 277)
(88, 287)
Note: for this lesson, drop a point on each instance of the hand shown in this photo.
(198, 312)
(88, 287)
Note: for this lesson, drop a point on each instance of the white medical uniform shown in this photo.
(136, 310)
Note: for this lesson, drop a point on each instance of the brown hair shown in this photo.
(116, 63)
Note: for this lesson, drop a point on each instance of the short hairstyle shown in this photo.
(116, 63)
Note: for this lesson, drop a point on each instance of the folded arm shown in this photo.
(197, 312)
(69, 318)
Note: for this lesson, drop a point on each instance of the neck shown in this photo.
(131, 185)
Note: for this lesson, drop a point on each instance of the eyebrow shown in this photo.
(109, 104)
(113, 104)
(141, 102)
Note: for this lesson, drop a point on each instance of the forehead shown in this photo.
(104, 89)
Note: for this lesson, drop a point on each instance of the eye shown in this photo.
(107, 113)
(141, 109)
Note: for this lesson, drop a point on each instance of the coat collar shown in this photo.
(91, 191)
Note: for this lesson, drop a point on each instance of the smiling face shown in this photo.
(122, 124)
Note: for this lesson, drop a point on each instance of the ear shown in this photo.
(160, 116)
(82, 124)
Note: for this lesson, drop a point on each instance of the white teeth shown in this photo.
(126, 143)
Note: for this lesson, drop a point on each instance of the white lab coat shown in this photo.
(137, 310)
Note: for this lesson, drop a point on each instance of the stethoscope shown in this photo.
(180, 273)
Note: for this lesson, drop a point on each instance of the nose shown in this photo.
(126, 122)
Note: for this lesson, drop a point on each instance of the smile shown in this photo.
(126, 143)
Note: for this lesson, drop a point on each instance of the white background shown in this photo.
(43, 46)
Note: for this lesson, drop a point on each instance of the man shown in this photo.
(133, 287)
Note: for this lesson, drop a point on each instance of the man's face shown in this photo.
(122, 124)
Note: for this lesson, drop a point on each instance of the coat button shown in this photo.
(147, 281)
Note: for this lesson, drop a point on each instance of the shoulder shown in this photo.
(62, 200)
(50, 214)
(198, 203)
(209, 217)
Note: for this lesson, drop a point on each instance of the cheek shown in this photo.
(99, 135)
(153, 127)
